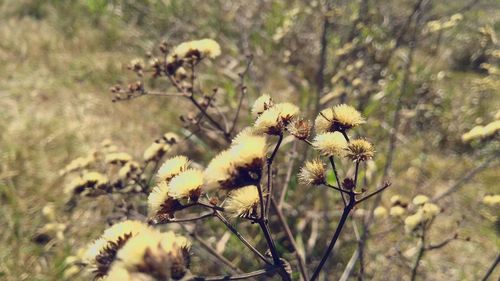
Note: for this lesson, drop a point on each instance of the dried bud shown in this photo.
(348, 184)
(300, 129)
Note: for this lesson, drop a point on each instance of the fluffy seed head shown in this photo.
(172, 167)
(261, 104)
(118, 158)
(160, 203)
(249, 151)
(273, 120)
(243, 201)
(411, 222)
(360, 150)
(198, 49)
(330, 144)
(300, 128)
(187, 184)
(243, 134)
(397, 211)
(313, 173)
(338, 118)
(219, 170)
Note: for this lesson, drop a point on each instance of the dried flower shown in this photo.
(261, 104)
(160, 203)
(300, 128)
(313, 173)
(161, 255)
(273, 120)
(187, 184)
(77, 164)
(360, 150)
(172, 167)
(243, 201)
(330, 144)
(238, 166)
(338, 118)
(128, 169)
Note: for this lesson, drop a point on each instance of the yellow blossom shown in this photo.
(198, 48)
(187, 184)
(397, 211)
(243, 201)
(420, 200)
(261, 104)
(313, 173)
(380, 212)
(172, 167)
(492, 200)
(155, 151)
(330, 144)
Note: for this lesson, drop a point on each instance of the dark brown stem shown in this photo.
(420, 254)
(491, 269)
(200, 217)
(336, 235)
(386, 185)
(242, 239)
(337, 178)
(256, 273)
(269, 163)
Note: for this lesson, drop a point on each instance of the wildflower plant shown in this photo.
(236, 183)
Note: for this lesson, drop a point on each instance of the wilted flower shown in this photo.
(300, 128)
(243, 201)
(172, 167)
(261, 104)
(187, 184)
(330, 144)
(313, 173)
(360, 150)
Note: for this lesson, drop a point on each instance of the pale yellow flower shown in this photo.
(338, 118)
(420, 200)
(411, 222)
(313, 173)
(243, 201)
(198, 48)
(492, 200)
(172, 167)
(397, 211)
(273, 120)
(187, 184)
(117, 158)
(155, 151)
(330, 144)
(380, 212)
(360, 150)
(261, 104)
(158, 197)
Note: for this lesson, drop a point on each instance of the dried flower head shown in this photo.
(172, 167)
(187, 184)
(170, 138)
(77, 164)
(338, 118)
(313, 173)
(238, 166)
(273, 120)
(360, 150)
(243, 201)
(420, 200)
(130, 168)
(261, 104)
(300, 128)
(101, 253)
(197, 49)
(330, 144)
(118, 158)
(160, 255)
(155, 151)
(243, 134)
(160, 203)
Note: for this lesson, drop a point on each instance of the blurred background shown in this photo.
(424, 73)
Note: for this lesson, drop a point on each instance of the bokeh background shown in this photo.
(437, 68)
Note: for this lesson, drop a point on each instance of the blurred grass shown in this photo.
(60, 57)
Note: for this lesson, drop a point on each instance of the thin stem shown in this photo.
(300, 258)
(420, 254)
(356, 175)
(270, 176)
(491, 269)
(210, 119)
(243, 91)
(386, 185)
(336, 188)
(343, 219)
(210, 206)
(237, 277)
(200, 217)
(242, 239)
(332, 161)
